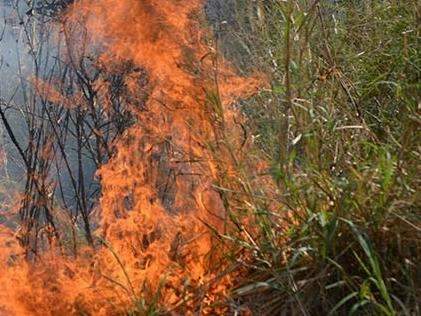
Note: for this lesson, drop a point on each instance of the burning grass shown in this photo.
(291, 191)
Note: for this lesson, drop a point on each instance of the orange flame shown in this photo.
(157, 191)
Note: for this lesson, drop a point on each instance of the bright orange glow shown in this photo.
(157, 191)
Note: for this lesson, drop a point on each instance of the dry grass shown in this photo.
(340, 127)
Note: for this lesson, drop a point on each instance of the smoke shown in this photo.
(31, 51)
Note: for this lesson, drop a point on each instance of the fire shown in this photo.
(157, 191)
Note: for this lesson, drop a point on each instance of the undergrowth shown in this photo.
(340, 234)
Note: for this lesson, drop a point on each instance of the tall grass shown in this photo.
(340, 126)
(339, 230)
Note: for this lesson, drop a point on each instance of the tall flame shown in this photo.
(157, 191)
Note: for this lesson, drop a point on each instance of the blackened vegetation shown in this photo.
(50, 8)
(166, 178)
(68, 139)
(119, 91)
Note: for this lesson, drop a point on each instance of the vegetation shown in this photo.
(322, 200)
(340, 127)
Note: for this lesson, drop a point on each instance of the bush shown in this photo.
(340, 127)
